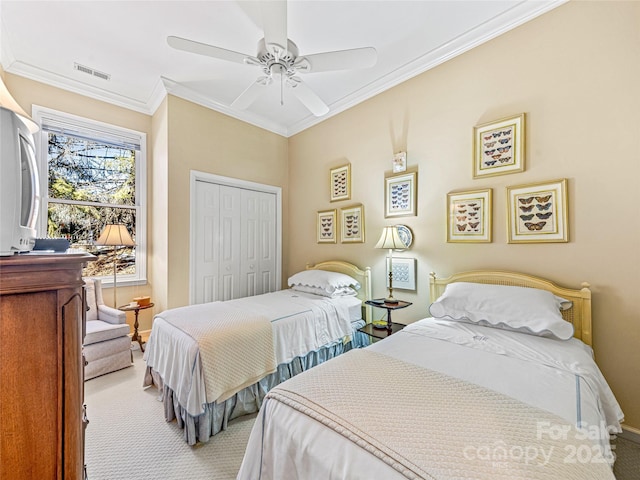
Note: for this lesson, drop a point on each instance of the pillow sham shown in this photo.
(338, 292)
(521, 309)
(328, 281)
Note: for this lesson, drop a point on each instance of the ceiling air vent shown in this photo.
(91, 71)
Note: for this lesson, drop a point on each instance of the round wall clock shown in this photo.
(406, 235)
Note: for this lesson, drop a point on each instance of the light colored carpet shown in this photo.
(128, 439)
(627, 466)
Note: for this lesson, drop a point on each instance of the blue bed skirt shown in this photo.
(247, 401)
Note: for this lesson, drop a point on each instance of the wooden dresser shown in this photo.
(42, 416)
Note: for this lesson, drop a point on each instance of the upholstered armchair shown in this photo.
(107, 345)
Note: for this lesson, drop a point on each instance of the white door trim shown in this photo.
(197, 176)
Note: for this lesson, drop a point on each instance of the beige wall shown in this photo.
(158, 227)
(574, 71)
(28, 93)
(207, 141)
(181, 136)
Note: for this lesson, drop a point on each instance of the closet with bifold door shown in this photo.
(235, 240)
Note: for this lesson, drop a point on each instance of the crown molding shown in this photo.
(71, 85)
(496, 26)
(179, 90)
(519, 14)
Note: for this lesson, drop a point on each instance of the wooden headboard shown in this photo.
(579, 314)
(362, 276)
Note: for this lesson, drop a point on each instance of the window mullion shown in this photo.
(95, 183)
(89, 204)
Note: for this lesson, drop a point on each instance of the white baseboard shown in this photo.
(631, 434)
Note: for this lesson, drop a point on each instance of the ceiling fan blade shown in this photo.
(274, 23)
(191, 46)
(308, 97)
(340, 60)
(251, 93)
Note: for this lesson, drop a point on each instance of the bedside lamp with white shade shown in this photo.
(390, 239)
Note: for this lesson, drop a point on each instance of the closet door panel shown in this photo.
(268, 245)
(249, 244)
(207, 232)
(230, 238)
(235, 249)
(258, 242)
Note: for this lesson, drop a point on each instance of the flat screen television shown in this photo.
(19, 188)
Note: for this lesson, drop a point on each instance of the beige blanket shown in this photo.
(431, 426)
(235, 348)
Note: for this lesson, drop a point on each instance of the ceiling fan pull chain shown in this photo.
(282, 89)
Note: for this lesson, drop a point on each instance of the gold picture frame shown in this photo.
(499, 147)
(404, 273)
(326, 226)
(470, 216)
(340, 183)
(401, 195)
(538, 212)
(352, 224)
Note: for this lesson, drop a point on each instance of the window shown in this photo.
(93, 174)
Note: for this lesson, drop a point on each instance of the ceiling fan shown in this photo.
(279, 57)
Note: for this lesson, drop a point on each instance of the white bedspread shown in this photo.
(556, 376)
(300, 322)
(221, 330)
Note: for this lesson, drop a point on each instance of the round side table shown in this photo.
(136, 336)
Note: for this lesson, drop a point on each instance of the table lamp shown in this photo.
(390, 239)
(115, 236)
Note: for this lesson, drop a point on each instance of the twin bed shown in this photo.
(499, 382)
(216, 361)
(494, 387)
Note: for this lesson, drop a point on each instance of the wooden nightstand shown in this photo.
(391, 327)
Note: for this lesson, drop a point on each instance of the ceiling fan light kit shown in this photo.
(276, 60)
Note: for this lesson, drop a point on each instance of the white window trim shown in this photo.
(41, 142)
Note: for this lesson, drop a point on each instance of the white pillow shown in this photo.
(338, 292)
(527, 310)
(327, 281)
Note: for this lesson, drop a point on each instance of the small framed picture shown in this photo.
(340, 181)
(352, 224)
(538, 212)
(399, 162)
(326, 227)
(498, 147)
(400, 195)
(469, 216)
(404, 273)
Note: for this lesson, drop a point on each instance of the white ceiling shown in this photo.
(42, 40)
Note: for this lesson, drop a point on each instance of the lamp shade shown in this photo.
(390, 239)
(8, 102)
(116, 236)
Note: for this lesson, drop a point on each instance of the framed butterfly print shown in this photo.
(469, 216)
(404, 273)
(400, 195)
(498, 147)
(340, 183)
(538, 212)
(327, 226)
(352, 224)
